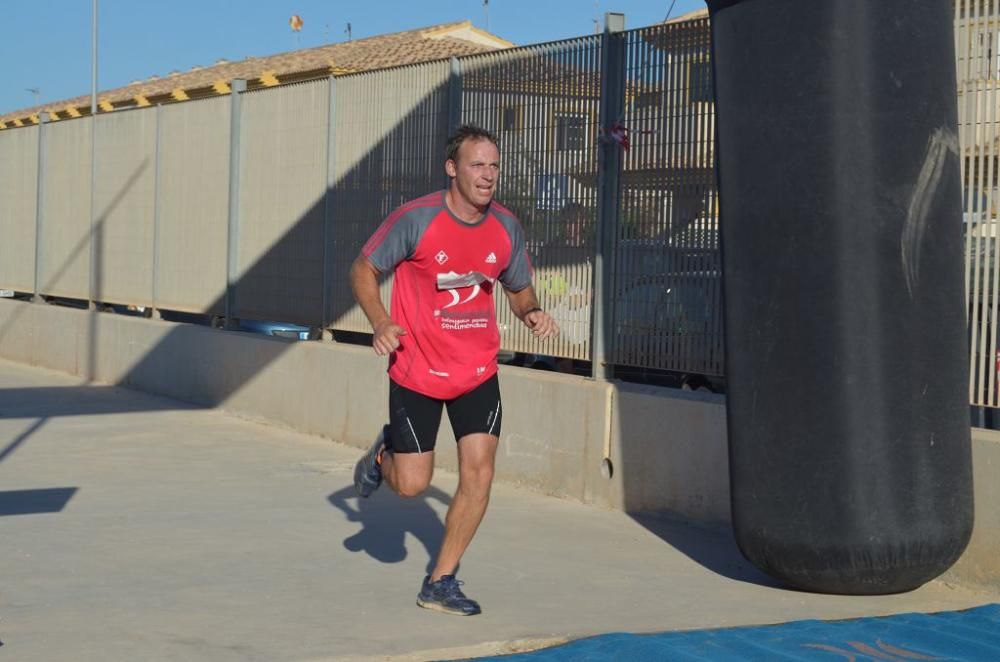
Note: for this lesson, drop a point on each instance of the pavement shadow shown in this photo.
(82, 400)
(44, 403)
(34, 502)
(386, 519)
(713, 548)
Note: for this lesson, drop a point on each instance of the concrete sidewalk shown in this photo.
(136, 527)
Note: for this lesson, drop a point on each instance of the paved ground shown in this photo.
(135, 527)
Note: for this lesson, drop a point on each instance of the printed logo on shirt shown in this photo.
(465, 320)
(480, 370)
(437, 373)
(441, 257)
(491, 258)
(456, 297)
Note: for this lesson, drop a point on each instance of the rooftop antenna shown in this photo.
(35, 91)
(348, 31)
(486, 11)
(597, 17)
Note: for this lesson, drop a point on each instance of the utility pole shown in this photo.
(93, 61)
(92, 289)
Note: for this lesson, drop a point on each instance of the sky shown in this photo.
(45, 45)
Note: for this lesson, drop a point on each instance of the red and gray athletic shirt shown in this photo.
(446, 270)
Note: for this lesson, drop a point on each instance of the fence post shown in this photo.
(612, 106)
(326, 333)
(39, 204)
(157, 156)
(454, 103)
(454, 95)
(238, 86)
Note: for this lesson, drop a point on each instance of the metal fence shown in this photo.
(668, 306)
(18, 201)
(63, 213)
(254, 205)
(542, 103)
(391, 127)
(192, 206)
(977, 58)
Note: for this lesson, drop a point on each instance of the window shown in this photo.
(509, 118)
(571, 131)
(700, 82)
(986, 67)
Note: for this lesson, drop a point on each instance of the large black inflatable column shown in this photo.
(850, 454)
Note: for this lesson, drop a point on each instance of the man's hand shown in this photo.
(385, 340)
(541, 324)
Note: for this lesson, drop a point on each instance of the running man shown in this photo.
(449, 249)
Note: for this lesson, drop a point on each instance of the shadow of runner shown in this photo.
(386, 519)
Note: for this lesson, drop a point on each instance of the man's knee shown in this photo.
(476, 479)
(411, 486)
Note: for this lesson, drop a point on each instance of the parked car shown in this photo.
(277, 329)
(673, 321)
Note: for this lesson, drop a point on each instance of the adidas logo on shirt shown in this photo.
(491, 258)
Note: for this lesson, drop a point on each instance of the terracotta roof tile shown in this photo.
(379, 52)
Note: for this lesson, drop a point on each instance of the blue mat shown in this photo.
(973, 634)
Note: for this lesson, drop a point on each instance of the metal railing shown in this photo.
(254, 205)
(977, 60)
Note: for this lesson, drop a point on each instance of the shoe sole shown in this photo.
(359, 487)
(362, 485)
(434, 606)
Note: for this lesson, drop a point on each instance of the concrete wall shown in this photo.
(668, 448)
(555, 428)
(980, 565)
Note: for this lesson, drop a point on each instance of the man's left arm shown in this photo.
(524, 305)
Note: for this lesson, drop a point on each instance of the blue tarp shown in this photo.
(972, 634)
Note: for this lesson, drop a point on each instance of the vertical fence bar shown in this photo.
(982, 243)
(986, 197)
(608, 190)
(39, 205)
(454, 100)
(157, 172)
(331, 147)
(232, 242)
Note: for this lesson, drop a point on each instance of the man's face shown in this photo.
(475, 171)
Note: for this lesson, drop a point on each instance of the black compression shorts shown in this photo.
(414, 418)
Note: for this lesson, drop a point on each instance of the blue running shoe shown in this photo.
(367, 472)
(446, 595)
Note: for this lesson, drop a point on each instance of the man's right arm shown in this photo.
(364, 284)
